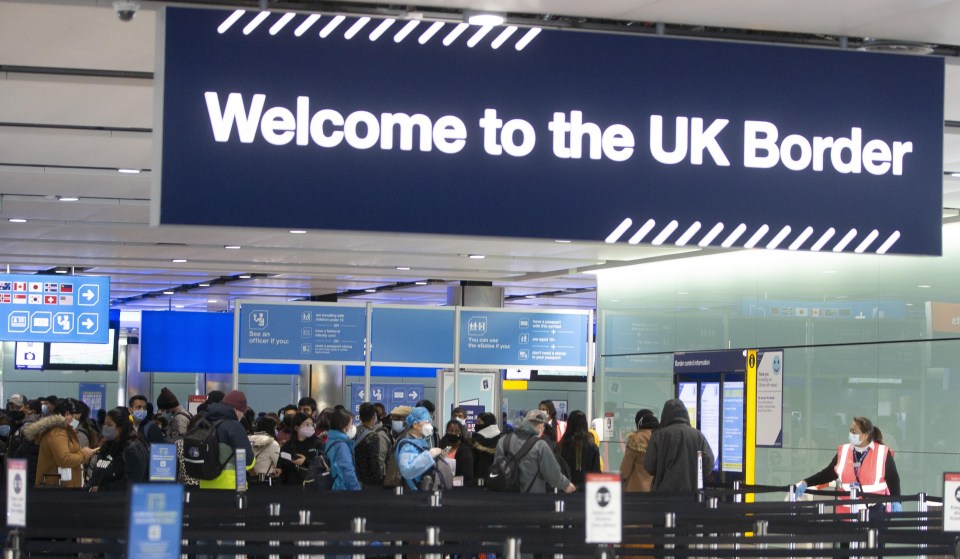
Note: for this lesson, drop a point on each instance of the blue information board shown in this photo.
(156, 516)
(163, 462)
(422, 336)
(54, 308)
(502, 339)
(302, 332)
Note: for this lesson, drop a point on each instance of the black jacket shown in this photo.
(672, 451)
(117, 467)
(370, 455)
(484, 447)
(310, 448)
(589, 459)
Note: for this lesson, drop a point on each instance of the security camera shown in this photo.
(126, 9)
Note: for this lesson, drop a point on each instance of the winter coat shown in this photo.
(22, 447)
(339, 453)
(310, 448)
(636, 479)
(266, 449)
(231, 436)
(539, 467)
(59, 448)
(370, 454)
(115, 468)
(589, 459)
(672, 451)
(484, 447)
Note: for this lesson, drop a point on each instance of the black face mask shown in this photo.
(450, 440)
(16, 415)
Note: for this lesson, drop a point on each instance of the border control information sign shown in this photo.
(691, 143)
(36, 308)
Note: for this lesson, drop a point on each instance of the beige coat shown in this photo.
(59, 448)
(636, 479)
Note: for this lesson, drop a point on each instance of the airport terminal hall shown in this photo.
(479, 279)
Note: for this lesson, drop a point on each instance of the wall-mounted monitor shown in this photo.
(28, 355)
(84, 357)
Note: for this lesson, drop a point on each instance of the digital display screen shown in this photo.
(688, 395)
(732, 450)
(28, 355)
(710, 417)
(84, 356)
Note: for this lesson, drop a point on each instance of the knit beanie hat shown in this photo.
(215, 396)
(167, 400)
(236, 400)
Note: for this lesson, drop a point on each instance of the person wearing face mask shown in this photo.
(123, 458)
(339, 451)
(397, 423)
(863, 462)
(176, 417)
(300, 451)
(460, 450)
(415, 457)
(539, 466)
(398, 431)
(484, 439)
(140, 411)
(60, 456)
(266, 448)
(19, 446)
(372, 447)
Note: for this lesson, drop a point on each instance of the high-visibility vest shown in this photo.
(872, 471)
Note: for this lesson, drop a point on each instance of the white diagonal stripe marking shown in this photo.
(732, 237)
(779, 237)
(757, 236)
(688, 234)
(452, 36)
(281, 23)
(639, 235)
(356, 27)
(670, 228)
(255, 23)
(620, 230)
(823, 239)
(709, 237)
(479, 35)
(381, 29)
(866, 242)
(502, 37)
(525, 40)
(302, 28)
(329, 27)
(845, 240)
(402, 34)
(228, 23)
(430, 32)
(889, 242)
(798, 242)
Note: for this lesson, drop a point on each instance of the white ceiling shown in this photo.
(63, 135)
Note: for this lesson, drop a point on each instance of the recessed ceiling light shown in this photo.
(17, 220)
(562, 241)
(168, 292)
(924, 286)
(485, 18)
(955, 174)
(420, 283)
(232, 247)
(477, 256)
(244, 276)
(370, 290)
(129, 171)
(403, 268)
(178, 306)
(298, 231)
(68, 198)
(211, 300)
(829, 272)
(179, 260)
(60, 271)
(204, 284)
(530, 296)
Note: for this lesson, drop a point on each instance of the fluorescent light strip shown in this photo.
(381, 29)
(867, 242)
(639, 235)
(328, 28)
(757, 236)
(430, 32)
(823, 240)
(402, 34)
(255, 23)
(889, 242)
(779, 238)
(302, 28)
(282, 23)
(709, 237)
(503, 36)
(688, 234)
(525, 40)
(356, 27)
(670, 228)
(798, 242)
(620, 230)
(732, 237)
(452, 36)
(845, 240)
(479, 35)
(228, 23)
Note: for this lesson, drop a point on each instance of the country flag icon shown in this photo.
(49, 299)
(20, 298)
(66, 288)
(35, 299)
(6, 286)
(5, 298)
(19, 286)
(51, 287)
(66, 299)
(35, 287)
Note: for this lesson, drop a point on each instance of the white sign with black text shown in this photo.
(951, 502)
(604, 508)
(17, 492)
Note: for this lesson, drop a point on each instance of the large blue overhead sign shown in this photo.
(317, 121)
(503, 339)
(296, 333)
(54, 308)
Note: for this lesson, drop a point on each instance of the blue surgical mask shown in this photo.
(109, 433)
(75, 423)
(855, 439)
(4, 430)
(397, 426)
(44, 409)
(140, 415)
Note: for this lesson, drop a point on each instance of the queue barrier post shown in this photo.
(511, 548)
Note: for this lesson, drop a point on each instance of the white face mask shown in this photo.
(397, 426)
(351, 431)
(854, 439)
(461, 420)
(307, 432)
(427, 431)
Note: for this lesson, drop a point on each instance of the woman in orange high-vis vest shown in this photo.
(863, 462)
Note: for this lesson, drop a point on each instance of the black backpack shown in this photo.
(201, 450)
(505, 472)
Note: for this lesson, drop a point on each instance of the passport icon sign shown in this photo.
(18, 321)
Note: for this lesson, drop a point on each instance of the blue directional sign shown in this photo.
(390, 395)
(35, 308)
(298, 333)
(490, 337)
(422, 336)
(156, 516)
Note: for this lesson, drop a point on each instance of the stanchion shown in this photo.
(792, 493)
(713, 503)
(737, 496)
(511, 548)
(435, 499)
(13, 548)
(922, 507)
(558, 505)
(433, 539)
(358, 526)
(760, 528)
(670, 522)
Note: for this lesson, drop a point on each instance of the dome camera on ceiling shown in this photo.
(126, 9)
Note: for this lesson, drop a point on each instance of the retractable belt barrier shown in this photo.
(287, 521)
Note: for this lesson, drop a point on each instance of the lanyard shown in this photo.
(857, 463)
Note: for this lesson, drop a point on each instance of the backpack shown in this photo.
(505, 472)
(366, 455)
(391, 476)
(201, 450)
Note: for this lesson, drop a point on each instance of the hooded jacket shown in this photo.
(672, 451)
(635, 477)
(267, 451)
(59, 448)
(230, 436)
(539, 467)
(484, 447)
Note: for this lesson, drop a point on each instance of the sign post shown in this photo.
(604, 500)
(951, 502)
(156, 517)
(163, 462)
